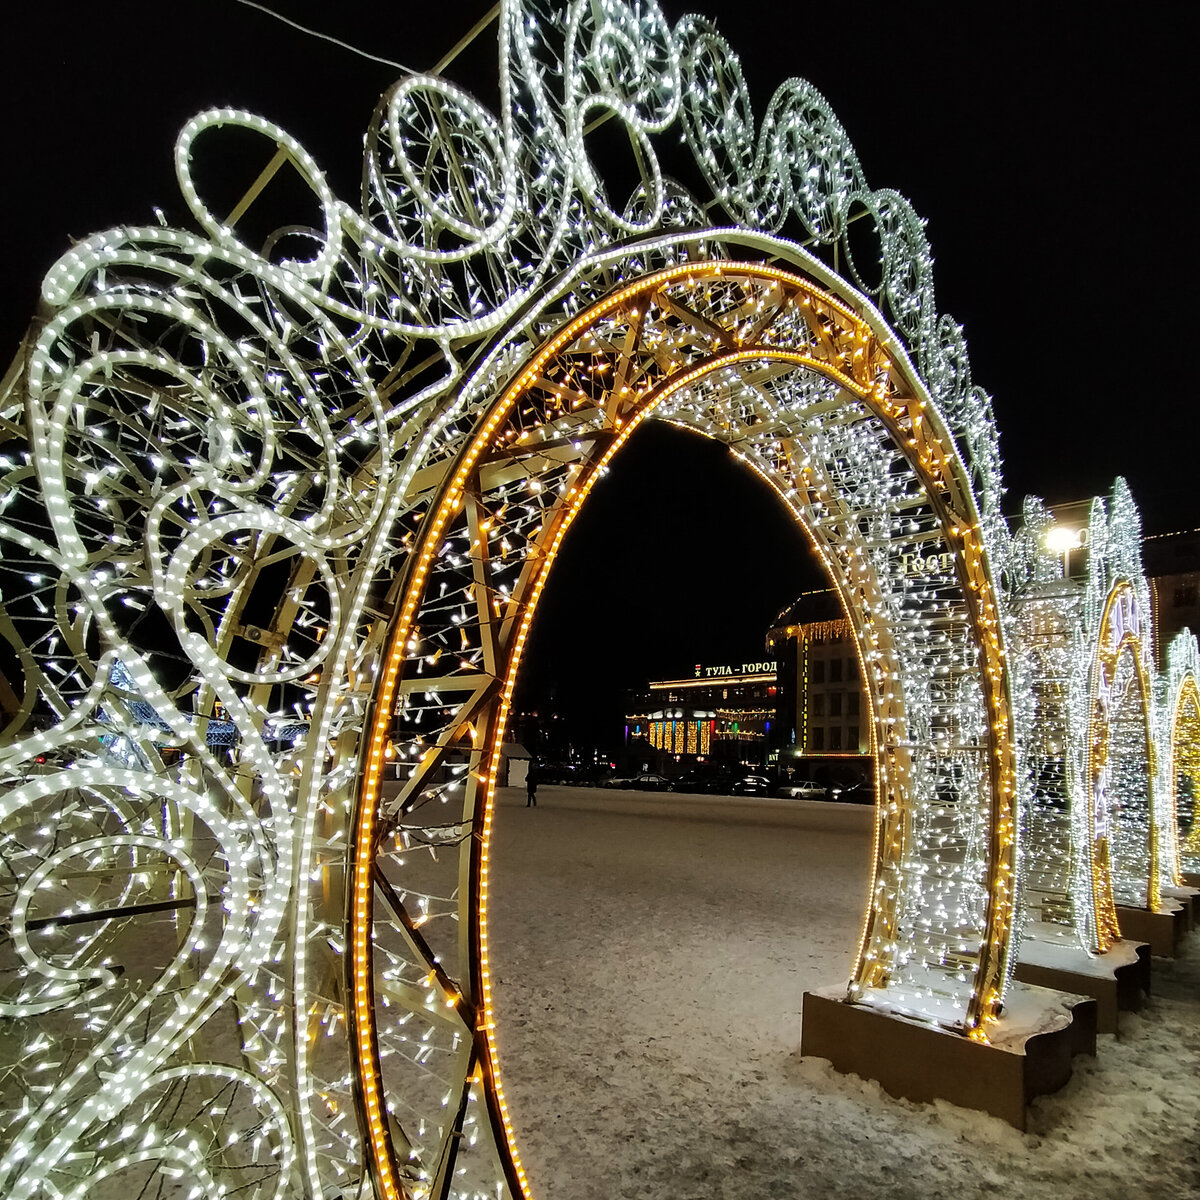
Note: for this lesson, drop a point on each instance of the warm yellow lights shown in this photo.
(640, 386)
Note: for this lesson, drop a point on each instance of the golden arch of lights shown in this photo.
(274, 523)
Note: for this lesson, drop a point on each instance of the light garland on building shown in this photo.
(318, 486)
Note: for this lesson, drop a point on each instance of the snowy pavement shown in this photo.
(649, 955)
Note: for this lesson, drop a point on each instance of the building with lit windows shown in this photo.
(722, 713)
(1172, 564)
(823, 712)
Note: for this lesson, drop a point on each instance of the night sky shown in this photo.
(1049, 147)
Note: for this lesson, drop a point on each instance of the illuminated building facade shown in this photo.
(823, 704)
(724, 712)
(1173, 571)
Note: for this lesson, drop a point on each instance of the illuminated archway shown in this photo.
(803, 389)
(222, 464)
(1181, 735)
(1091, 800)
(1050, 642)
(1122, 828)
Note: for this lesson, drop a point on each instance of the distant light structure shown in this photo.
(1179, 753)
(1094, 835)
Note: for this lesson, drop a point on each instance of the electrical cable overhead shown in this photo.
(326, 37)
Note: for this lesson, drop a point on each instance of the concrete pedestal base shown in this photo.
(1189, 897)
(1029, 1055)
(1118, 981)
(1164, 929)
(1191, 879)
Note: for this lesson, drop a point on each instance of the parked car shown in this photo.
(704, 783)
(645, 782)
(862, 792)
(649, 782)
(751, 785)
(801, 789)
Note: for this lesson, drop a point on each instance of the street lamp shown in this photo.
(1062, 539)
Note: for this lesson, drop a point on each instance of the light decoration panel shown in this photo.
(1091, 809)
(1051, 656)
(1119, 770)
(1179, 739)
(223, 469)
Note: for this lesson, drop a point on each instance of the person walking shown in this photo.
(531, 782)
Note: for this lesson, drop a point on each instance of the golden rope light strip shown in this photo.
(931, 461)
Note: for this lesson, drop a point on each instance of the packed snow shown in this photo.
(649, 956)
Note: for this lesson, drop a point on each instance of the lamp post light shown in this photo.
(1062, 539)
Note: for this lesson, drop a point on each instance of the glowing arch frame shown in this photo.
(862, 368)
(1102, 624)
(357, 353)
(1121, 636)
(1179, 710)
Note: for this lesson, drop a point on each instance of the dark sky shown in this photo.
(1050, 148)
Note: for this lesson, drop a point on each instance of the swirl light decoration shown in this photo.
(275, 516)
(1179, 737)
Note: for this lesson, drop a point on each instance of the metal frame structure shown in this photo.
(312, 490)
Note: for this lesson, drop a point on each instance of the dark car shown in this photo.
(752, 785)
(649, 782)
(857, 793)
(645, 782)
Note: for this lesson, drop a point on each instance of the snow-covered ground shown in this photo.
(649, 955)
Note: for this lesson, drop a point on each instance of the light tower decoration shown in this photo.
(313, 488)
(1113, 727)
(1179, 739)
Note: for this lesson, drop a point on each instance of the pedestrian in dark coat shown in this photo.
(531, 782)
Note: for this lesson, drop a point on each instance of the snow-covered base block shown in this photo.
(1118, 981)
(1029, 1053)
(1164, 929)
(1189, 897)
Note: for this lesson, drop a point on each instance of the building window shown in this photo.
(818, 703)
(851, 737)
(852, 704)
(835, 670)
(835, 738)
(851, 668)
(1185, 595)
(835, 704)
(818, 738)
(818, 671)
